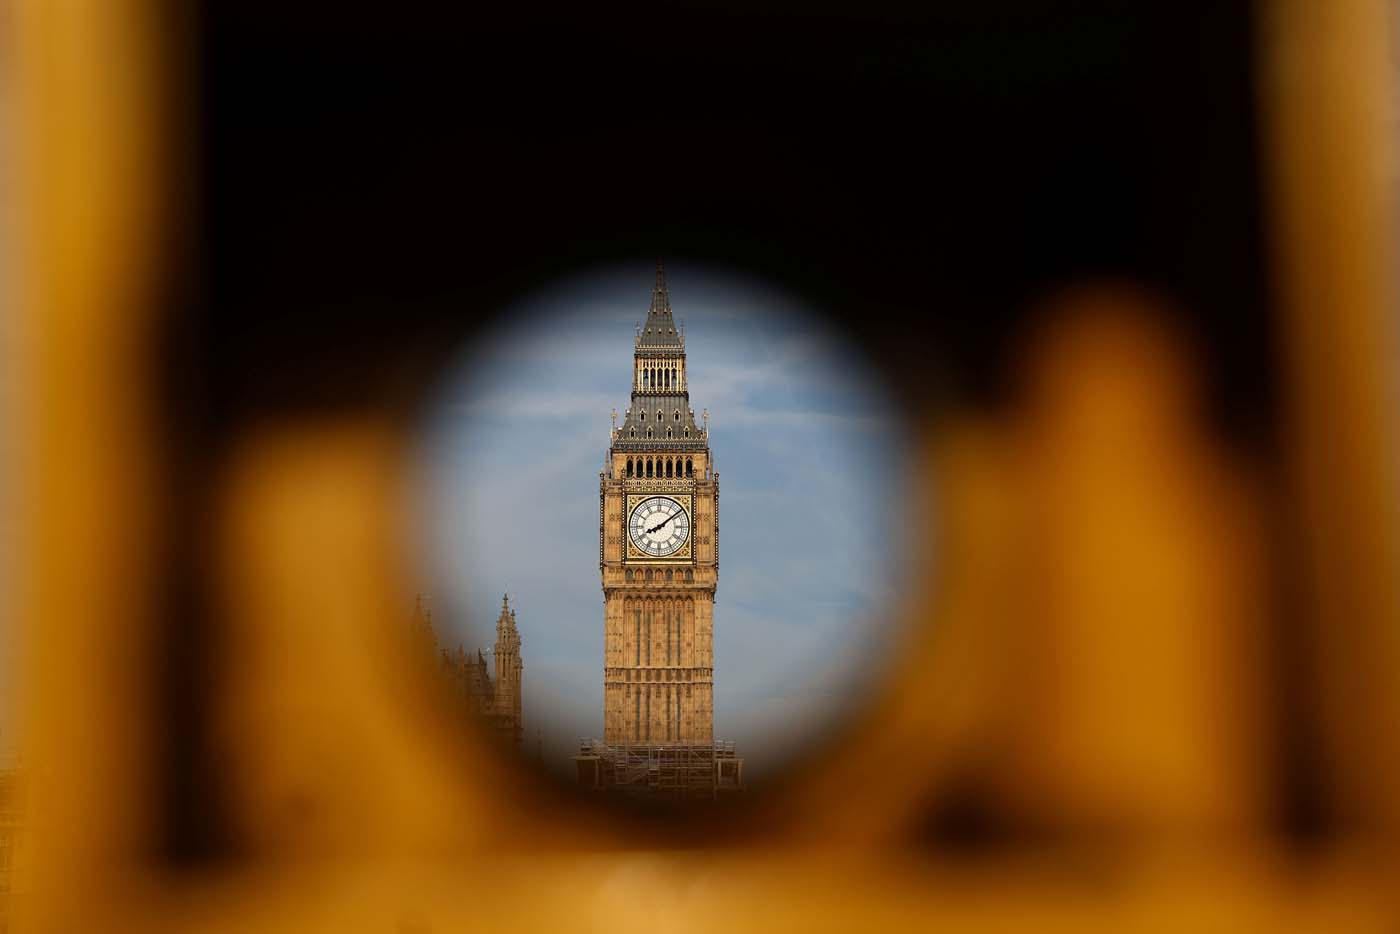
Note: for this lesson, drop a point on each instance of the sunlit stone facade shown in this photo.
(659, 550)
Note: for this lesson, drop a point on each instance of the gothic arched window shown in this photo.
(689, 574)
(689, 467)
(668, 468)
(629, 466)
(668, 573)
(628, 574)
(648, 573)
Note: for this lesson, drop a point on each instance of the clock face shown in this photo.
(659, 526)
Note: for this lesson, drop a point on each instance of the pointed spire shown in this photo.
(659, 331)
(660, 299)
(505, 623)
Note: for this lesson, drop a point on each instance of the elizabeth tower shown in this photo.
(659, 550)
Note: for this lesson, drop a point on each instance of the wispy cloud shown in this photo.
(537, 404)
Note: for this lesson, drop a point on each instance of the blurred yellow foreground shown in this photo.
(1116, 712)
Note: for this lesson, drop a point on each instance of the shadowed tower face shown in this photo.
(659, 550)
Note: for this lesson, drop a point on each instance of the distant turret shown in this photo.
(508, 670)
(468, 676)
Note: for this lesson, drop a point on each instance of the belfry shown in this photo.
(658, 545)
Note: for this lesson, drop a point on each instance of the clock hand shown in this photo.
(663, 521)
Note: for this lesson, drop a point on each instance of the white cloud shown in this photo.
(537, 404)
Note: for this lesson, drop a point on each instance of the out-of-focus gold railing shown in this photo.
(1087, 658)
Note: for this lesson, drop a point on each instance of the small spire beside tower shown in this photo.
(508, 669)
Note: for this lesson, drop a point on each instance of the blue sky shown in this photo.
(808, 450)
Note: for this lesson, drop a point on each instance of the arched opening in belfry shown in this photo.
(648, 466)
(666, 379)
(689, 467)
(629, 466)
(668, 468)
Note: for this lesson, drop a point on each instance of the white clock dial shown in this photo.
(659, 526)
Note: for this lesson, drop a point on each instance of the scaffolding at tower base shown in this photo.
(660, 770)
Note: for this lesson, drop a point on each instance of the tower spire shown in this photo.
(660, 299)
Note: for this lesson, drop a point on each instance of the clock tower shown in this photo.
(659, 550)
